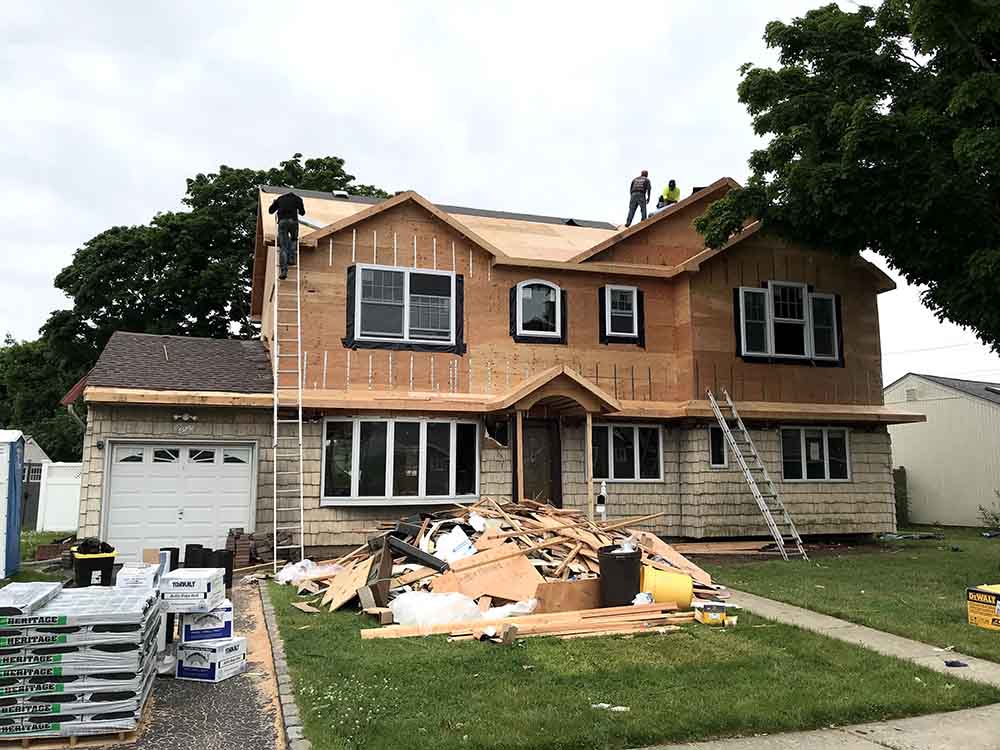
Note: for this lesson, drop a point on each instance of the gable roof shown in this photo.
(977, 388)
(182, 363)
(721, 185)
(571, 381)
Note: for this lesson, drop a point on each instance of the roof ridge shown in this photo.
(960, 380)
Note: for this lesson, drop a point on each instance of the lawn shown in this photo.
(31, 539)
(700, 682)
(912, 588)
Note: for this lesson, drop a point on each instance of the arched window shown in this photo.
(539, 309)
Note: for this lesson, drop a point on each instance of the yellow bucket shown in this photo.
(668, 587)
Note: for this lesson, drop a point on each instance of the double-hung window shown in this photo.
(787, 321)
(621, 311)
(399, 460)
(539, 309)
(406, 305)
(815, 454)
(627, 452)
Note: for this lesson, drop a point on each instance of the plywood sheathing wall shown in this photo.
(494, 363)
(763, 258)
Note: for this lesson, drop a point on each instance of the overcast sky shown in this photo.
(536, 107)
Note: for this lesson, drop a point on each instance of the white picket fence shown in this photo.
(59, 497)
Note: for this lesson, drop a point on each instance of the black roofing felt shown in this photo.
(971, 387)
(450, 209)
(182, 363)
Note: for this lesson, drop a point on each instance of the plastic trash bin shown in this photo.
(86, 566)
(621, 574)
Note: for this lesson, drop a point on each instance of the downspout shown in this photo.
(76, 417)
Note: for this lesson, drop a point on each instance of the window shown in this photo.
(400, 460)
(166, 455)
(125, 454)
(717, 453)
(622, 311)
(786, 320)
(539, 309)
(814, 454)
(201, 455)
(405, 305)
(34, 472)
(235, 455)
(627, 452)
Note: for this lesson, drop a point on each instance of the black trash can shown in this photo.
(194, 556)
(621, 575)
(90, 565)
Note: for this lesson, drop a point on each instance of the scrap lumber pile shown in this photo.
(499, 553)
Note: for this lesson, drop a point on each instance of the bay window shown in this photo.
(385, 461)
(814, 454)
(627, 452)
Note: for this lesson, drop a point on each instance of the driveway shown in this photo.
(240, 713)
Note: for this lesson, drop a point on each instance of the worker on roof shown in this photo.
(289, 207)
(639, 190)
(671, 193)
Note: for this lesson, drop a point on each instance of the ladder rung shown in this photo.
(288, 309)
(279, 473)
(288, 355)
(288, 421)
(287, 492)
(287, 546)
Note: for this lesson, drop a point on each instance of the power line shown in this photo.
(931, 348)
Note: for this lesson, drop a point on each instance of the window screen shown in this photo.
(789, 320)
(430, 306)
(381, 303)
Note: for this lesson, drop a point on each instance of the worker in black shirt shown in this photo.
(289, 207)
(639, 190)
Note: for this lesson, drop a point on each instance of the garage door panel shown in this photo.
(165, 494)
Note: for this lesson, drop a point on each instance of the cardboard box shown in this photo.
(983, 604)
(211, 661)
(192, 589)
(138, 576)
(208, 626)
(716, 613)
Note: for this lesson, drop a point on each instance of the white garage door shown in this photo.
(169, 495)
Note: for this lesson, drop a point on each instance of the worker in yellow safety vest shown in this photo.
(671, 193)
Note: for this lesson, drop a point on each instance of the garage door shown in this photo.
(169, 495)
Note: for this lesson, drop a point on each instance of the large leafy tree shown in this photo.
(186, 273)
(883, 132)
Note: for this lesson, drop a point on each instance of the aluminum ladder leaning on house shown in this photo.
(769, 499)
(287, 484)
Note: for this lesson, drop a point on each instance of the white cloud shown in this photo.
(537, 107)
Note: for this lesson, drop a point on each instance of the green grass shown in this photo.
(702, 682)
(31, 539)
(30, 576)
(914, 589)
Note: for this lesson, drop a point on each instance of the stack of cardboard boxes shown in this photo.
(208, 651)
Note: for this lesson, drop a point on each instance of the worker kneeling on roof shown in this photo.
(671, 193)
(288, 207)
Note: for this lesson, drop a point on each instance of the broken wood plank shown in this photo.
(498, 572)
(344, 586)
(567, 596)
(653, 545)
(306, 607)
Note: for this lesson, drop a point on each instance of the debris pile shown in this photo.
(511, 569)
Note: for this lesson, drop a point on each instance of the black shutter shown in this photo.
(737, 321)
(459, 315)
(840, 330)
(602, 311)
(641, 319)
(564, 323)
(348, 339)
(513, 311)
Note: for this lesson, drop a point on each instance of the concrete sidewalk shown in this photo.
(969, 729)
(979, 670)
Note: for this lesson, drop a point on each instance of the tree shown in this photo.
(884, 133)
(184, 273)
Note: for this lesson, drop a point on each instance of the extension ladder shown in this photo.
(768, 500)
(286, 367)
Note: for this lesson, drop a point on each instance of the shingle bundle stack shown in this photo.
(81, 664)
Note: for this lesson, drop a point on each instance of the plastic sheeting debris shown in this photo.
(424, 609)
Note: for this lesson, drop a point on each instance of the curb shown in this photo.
(290, 718)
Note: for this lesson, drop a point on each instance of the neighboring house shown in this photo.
(34, 459)
(432, 336)
(952, 462)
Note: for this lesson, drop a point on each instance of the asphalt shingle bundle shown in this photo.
(82, 664)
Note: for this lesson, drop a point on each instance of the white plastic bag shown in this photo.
(423, 609)
(511, 610)
(454, 545)
(293, 571)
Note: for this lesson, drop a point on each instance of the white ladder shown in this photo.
(769, 500)
(288, 500)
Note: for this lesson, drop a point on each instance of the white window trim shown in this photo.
(406, 338)
(634, 291)
(517, 300)
(725, 449)
(635, 451)
(826, 453)
(810, 344)
(812, 328)
(355, 500)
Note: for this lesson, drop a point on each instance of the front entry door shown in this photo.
(542, 460)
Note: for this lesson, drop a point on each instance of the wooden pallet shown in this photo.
(83, 741)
